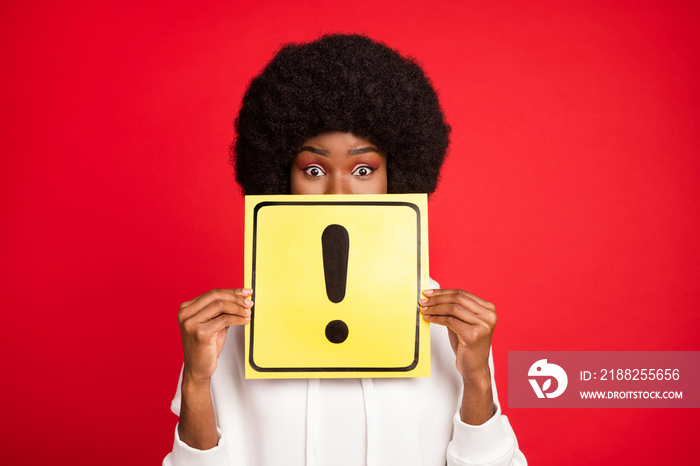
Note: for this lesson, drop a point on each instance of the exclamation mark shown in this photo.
(335, 242)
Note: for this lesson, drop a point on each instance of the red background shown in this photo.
(570, 199)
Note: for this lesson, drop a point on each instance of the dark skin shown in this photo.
(330, 163)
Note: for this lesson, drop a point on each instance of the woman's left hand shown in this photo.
(470, 322)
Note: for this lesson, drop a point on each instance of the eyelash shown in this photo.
(311, 167)
(367, 167)
(308, 169)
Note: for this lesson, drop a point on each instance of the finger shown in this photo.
(438, 292)
(459, 327)
(466, 331)
(219, 307)
(458, 297)
(205, 331)
(440, 312)
(204, 299)
(246, 292)
(223, 321)
(189, 308)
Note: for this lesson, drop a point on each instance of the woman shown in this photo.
(341, 115)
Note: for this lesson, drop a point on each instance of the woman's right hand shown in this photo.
(204, 321)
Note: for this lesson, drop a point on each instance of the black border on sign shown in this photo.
(335, 369)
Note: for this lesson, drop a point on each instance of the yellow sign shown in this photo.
(336, 281)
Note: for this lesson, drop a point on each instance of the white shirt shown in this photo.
(345, 422)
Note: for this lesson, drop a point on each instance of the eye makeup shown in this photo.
(370, 162)
(305, 161)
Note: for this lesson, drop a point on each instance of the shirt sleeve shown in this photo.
(185, 455)
(492, 443)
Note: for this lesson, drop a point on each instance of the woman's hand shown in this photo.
(470, 322)
(204, 321)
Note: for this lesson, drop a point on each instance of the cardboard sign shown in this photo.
(336, 281)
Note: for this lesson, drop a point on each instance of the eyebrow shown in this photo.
(362, 150)
(351, 152)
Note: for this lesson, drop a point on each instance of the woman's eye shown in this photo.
(314, 171)
(363, 170)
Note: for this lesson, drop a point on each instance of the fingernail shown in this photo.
(427, 292)
(423, 309)
(246, 291)
(247, 311)
(423, 301)
(248, 302)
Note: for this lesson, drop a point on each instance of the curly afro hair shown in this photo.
(346, 83)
